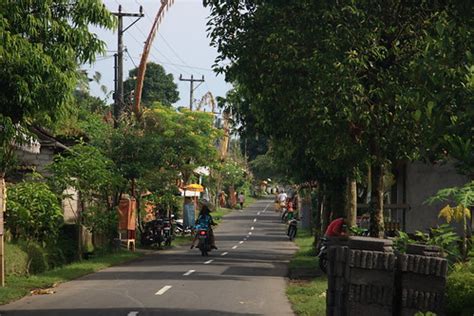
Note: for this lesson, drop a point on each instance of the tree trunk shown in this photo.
(318, 217)
(232, 198)
(3, 206)
(369, 184)
(351, 202)
(377, 203)
(325, 212)
(337, 198)
(80, 236)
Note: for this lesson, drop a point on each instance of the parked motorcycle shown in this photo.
(167, 231)
(152, 233)
(180, 228)
(322, 251)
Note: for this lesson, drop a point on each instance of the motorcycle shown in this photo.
(152, 233)
(167, 231)
(284, 216)
(204, 241)
(180, 228)
(292, 228)
(322, 251)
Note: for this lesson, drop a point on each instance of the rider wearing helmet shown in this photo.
(205, 221)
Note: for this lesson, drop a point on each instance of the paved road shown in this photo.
(246, 276)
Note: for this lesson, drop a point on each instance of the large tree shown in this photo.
(41, 45)
(158, 86)
(349, 83)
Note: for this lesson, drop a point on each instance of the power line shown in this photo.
(177, 70)
(173, 50)
(180, 65)
(128, 53)
(162, 54)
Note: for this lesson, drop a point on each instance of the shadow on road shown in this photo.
(115, 311)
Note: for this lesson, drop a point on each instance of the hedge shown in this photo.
(16, 260)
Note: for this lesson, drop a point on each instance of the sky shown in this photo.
(181, 46)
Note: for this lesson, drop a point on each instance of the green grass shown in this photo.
(307, 297)
(217, 215)
(305, 258)
(19, 286)
(180, 240)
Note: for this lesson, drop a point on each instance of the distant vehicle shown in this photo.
(292, 228)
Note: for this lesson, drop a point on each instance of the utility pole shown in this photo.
(118, 94)
(191, 90)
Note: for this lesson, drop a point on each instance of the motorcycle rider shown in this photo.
(205, 221)
(337, 227)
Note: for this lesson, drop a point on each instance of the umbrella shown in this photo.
(194, 187)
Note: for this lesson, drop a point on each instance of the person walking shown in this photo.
(241, 200)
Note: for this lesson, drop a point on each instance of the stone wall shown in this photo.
(366, 277)
(421, 276)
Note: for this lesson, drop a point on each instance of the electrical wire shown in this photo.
(128, 53)
(162, 54)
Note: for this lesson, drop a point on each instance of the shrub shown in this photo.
(37, 258)
(33, 212)
(444, 237)
(16, 260)
(67, 242)
(55, 257)
(460, 289)
(401, 242)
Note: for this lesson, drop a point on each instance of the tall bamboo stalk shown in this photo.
(165, 4)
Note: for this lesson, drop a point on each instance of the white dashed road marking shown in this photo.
(241, 242)
(235, 247)
(189, 272)
(250, 233)
(132, 314)
(208, 261)
(163, 290)
(252, 228)
(224, 253)
(254, 220)
(258, 213)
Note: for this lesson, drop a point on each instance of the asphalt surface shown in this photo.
(245, 276)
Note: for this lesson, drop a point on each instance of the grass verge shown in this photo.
(18, 286)
(307, 297)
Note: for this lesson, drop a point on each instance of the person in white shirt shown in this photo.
(282, 196)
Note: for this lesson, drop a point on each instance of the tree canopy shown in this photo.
(42, 43)
(158, 86)
(346, 84)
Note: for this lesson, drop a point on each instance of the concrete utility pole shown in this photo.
(191, 90)
(118, 94)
